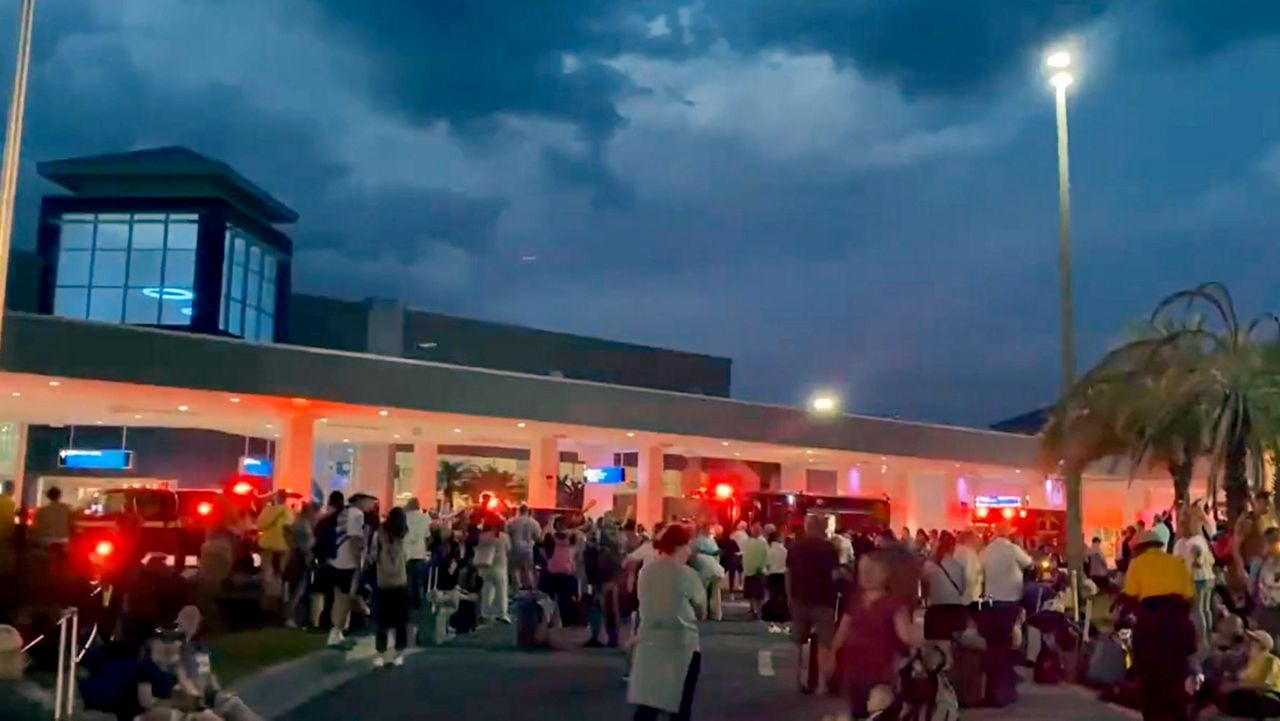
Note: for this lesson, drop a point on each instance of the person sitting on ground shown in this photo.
(20, 699)
(197, 672)
(1256, 691)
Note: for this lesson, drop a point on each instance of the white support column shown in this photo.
(795, 477)
(848, 479)
(372, 474)
(649, 492)
(544, 467)
(294, 458)
(426, 467)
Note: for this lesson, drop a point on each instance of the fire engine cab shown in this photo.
(1043, 526)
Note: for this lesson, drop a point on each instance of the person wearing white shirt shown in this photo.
(1003, 564)
(415, 550)
(347, 562)
(969, 556)
(1193, 549)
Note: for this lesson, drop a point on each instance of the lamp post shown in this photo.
(13, 145)
(1059, 63)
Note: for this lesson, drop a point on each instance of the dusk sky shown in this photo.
(856, 194)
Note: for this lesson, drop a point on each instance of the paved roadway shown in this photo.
(746, 675)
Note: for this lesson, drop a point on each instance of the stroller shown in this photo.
(924, 691)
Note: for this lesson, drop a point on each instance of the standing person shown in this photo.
(1003, 564)
(415, 550)
(730, 558)
(873, 634)
(347, 562)
(326, 546)
(1266, 614)
(525, 532)
(392, 564)
(922, 546)
(811, 566)
(562, 571)
(969, 554)
(755, 552)
(274, 523)
(1251, 530)
(739, 537)
(1095, 565)
(775, 609)
(1159, 586)
(1193, 549)
(8, 527)
(668, 656)
(604, 574)
(706, 555)
(301, 561)
(944, 577)
(494, 548)
(52, 529)
(1124, 553)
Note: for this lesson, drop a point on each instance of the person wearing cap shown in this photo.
(20, 699)
(1159, 588)
(1256, 691)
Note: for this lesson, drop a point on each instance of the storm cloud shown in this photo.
(852, 194)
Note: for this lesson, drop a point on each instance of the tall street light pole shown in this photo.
(1059, 63)
(13, 146)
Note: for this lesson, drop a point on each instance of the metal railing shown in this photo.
(64, 689)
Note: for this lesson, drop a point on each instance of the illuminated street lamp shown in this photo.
(1060, 63)
(13, 142)
(824, 403)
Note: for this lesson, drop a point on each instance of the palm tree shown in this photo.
(451, 477)
(1184, 388)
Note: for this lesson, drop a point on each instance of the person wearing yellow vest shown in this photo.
(1159, 588)
(274, 524)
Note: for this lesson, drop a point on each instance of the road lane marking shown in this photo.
(764, 663)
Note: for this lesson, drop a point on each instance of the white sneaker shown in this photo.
(379, 661)
(336, 638)
(397, 660)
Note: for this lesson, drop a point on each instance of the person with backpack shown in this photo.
(324, 546)
(347, 562)
(392, 602)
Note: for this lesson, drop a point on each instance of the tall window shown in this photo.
(248, 287)
(134, 268)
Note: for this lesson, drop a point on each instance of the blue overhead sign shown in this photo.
(259, 467)
(607, 476)
(96, 460)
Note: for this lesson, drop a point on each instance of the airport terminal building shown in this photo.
(157, 318)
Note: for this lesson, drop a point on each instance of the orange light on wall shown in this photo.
(724, 491)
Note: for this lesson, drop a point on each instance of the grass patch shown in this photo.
(242, 653)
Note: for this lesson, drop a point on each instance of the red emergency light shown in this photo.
(1007, 513)
(204, 508)
(982, 512)
(242, 488)
(104, 549)
(724, 491)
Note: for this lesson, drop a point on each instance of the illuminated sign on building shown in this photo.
(96, 460)
(607, 476)
(998, 501)
(259, 467)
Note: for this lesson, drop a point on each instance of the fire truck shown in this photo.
(727, 506)
(1044, 527)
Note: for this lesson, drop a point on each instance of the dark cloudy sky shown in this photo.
(848, 193)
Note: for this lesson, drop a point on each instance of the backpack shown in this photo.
(326, 547)
(926, 693)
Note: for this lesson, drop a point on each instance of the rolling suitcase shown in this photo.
(967, 676)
